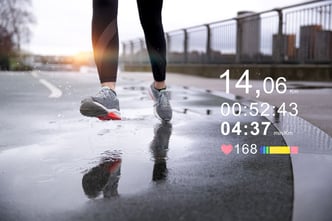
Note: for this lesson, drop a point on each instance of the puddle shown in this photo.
(94, 162)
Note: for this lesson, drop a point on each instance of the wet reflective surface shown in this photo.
(58, 165)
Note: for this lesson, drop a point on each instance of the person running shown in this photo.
(105, 40)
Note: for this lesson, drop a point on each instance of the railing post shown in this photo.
(238, 40)
(280, 46)
(123, 57)
(141, 52)
(185, 46)
(131, 57)
(124, 50)
(168, 46)
(208, 44)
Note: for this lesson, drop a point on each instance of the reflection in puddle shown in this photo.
(103, 178)
(159, 148)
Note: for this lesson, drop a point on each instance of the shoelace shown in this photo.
(163, 99)
(104, 93)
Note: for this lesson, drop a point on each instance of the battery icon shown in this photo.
(279, 150)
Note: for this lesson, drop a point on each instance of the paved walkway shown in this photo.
(58, 165)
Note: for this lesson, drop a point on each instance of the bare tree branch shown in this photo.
(15, 20)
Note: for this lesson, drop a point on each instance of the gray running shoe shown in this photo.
(162, 107)
(105, 105)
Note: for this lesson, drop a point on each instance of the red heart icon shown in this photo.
(227, 148)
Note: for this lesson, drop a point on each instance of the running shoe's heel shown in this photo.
(104, 106)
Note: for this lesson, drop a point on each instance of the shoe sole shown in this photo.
(94, 109)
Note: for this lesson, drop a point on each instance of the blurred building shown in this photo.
(248, 35)
(308, 42)
(284, 48)
(323, 47)
(315, 44)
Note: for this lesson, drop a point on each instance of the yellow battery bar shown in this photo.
(279, 150)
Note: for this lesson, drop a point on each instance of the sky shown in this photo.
(63, 27)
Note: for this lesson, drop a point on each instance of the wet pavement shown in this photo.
(58, 165)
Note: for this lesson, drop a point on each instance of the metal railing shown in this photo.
(299, 33)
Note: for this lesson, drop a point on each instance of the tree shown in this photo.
(6, 48)
(16, 18)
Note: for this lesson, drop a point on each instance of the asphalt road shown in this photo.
(58, 165)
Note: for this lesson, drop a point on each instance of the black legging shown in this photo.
(106, 41)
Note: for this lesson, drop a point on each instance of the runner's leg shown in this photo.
(105, 40)
(150, 17)
(105, 104)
